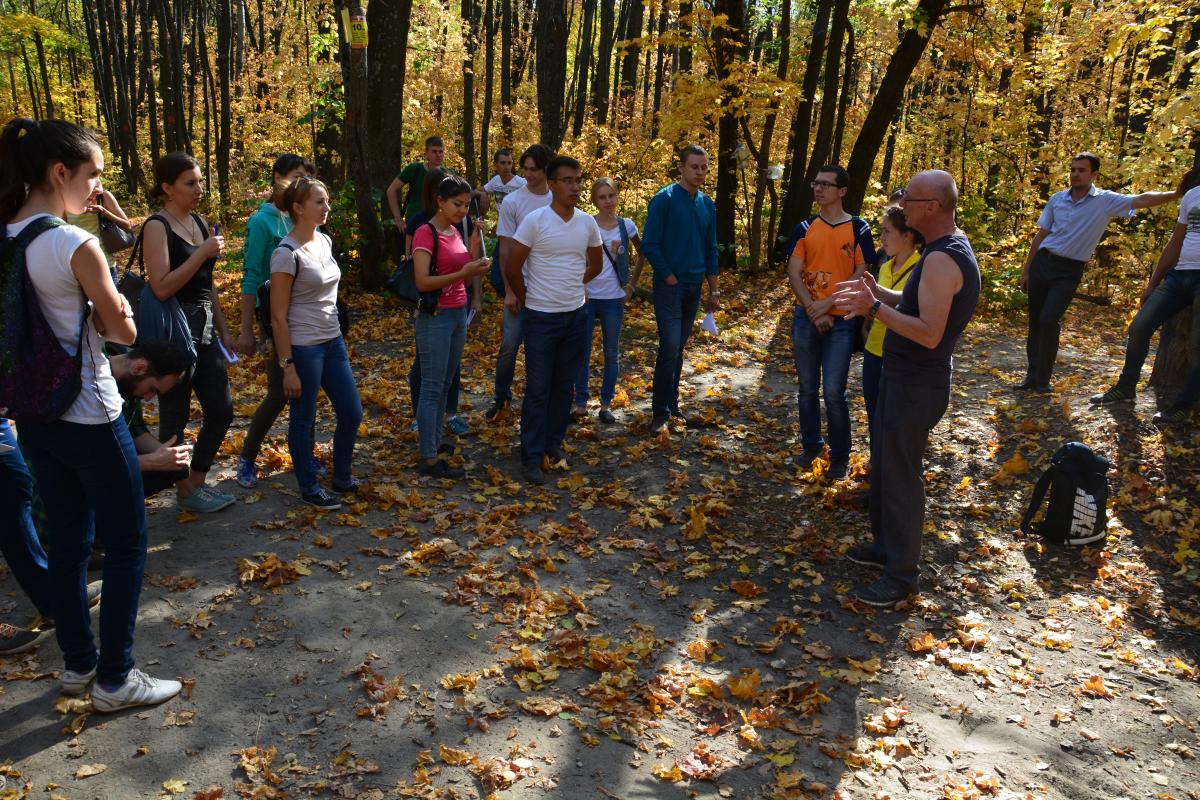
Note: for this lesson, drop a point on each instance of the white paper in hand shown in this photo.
(709, 324)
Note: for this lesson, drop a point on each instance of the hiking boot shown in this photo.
(805, 460)
(862, 554)
(1116, 394)
(607, 417)
(532, 473)
(247, 473)
(883, 593)
(75, 683)
(321, 499)
(15, 640)
(1172, 416)
(458, 426)
(204, 502)
(440, 469)
(839, 468)
(496, 408)
(139, 689)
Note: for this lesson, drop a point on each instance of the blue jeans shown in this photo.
(414, 386)
(19, 542)
(440, 340)
(872, 371)
(323, 366)
(823, 365)
(611, 314)
(89, 473)
(511, 336)
(675, 310)
(1179, 289)
(554, 346)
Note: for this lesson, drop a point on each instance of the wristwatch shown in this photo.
(875, 308)
(283, 362)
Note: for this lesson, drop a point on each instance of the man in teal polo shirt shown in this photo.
(1069, 229)
(680, 242)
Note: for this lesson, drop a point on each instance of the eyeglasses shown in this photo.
(824, 185)
(906, 200)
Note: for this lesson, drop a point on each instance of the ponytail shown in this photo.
(28, 148)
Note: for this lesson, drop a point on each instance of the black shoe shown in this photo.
(658, 423)
(532, 473)
(839, 468)
(1040, 388)
(881, 594)
(15, 640)
(861, 554)
(322, 500)
(350, 488)
(439, 469)
(445, 448)
(579, 413)
(1026, 384)
(690, 422)
(806, 459)
(1172, 416)
(495, 409)
(607, 417)
(554, 455)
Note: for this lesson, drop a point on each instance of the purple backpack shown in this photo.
(39, 380)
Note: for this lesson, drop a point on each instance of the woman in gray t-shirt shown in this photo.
(309, 343)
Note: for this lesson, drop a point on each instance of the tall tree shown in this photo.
(729, 47)
(388, 24)
(904, 60)
(225, 81)
(762, 153)
(583, 61)
(629, 63)
(603, 74)
(489, 68)
(829, 103)
(551, 39)
(470, 18)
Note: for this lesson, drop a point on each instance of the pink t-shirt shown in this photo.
(452, 255)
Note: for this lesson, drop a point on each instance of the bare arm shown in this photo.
(941, 280)
(595, 263)
(114, 317)
(513, 279)
(393, 192)
(110, 208)
(164, 281)
(1036, 245)
(796, 277)
(1168, 259)
(1151, 199)
(428, 283)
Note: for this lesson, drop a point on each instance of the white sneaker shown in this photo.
(75, 683)
(139, 689)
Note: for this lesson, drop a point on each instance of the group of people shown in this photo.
(559, 271)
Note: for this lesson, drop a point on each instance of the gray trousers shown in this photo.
(906, 414)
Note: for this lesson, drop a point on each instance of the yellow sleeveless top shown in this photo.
(90, 222)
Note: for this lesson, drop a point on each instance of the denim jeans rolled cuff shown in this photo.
(88, 479)
(1179, 290)
(554, 345)
(440, 341)
(611, 314)
(823, 368)
(511, 337)
(19, 543)
(675, 308)
(324, 366)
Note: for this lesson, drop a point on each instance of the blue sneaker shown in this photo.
(203, 502)
(217, 493)
(457, 425)
(247, 473)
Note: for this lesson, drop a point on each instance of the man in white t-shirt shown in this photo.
(504, 182)
(1173, 287)
(533, 195)
(552, 254)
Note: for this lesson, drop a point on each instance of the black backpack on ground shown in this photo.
(1077, 513)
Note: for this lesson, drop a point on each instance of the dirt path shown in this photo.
(668, 619)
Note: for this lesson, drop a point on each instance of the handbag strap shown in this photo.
(1035, 502)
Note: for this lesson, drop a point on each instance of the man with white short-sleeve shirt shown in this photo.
(1069, 229)
(553, 253)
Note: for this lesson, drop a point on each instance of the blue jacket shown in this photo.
(680, 235)
(265, 228)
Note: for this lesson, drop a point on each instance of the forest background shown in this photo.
(1001, 94)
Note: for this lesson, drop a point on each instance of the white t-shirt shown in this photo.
(557, 258)
(498, 190)
(606, 285)
(516, 207)
(312, 310)
(1189, 214)
(62, 300)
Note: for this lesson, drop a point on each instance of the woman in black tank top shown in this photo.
(180, 255)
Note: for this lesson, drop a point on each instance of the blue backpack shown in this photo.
(39, 379)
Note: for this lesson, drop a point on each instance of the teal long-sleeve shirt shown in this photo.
(680, 235)
(265, 228)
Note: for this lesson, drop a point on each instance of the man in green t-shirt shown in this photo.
(413, 176)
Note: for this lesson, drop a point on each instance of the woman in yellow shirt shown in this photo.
(102, 204)
(902, 244)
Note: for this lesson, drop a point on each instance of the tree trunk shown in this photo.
(489, 67)
(1173, 361)
(506, 60)
(829, 102)
(34, 100)
(629, 65)
(904, 60)
(224, 96)
(796, 164)
(551, 37)
(729, 47)
(583, 63)
(839, 128)
(388, 24)
(658, 71)
(762, 155)
(600, 81)
(685, 28)
(357, 155)
(470, 19)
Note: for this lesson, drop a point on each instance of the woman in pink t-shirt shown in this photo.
(442, 332)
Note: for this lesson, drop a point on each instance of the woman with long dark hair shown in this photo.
(84, 462)
(180, 254)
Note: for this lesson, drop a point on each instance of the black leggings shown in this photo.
(210, 380)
